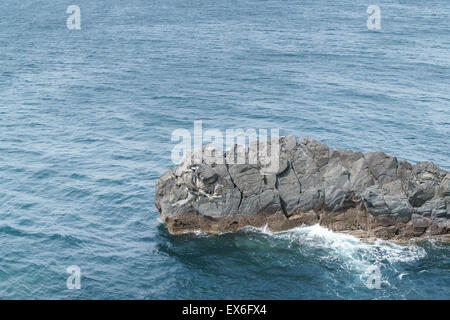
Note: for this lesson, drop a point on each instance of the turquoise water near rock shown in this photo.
(86, 122)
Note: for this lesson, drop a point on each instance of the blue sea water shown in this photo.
(86, 118)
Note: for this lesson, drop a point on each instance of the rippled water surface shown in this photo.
(85, 129)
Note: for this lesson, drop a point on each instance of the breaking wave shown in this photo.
(349, 252)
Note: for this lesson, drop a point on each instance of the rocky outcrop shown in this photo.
(340, 189)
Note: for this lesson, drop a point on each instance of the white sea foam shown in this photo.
(401, 275)
(352, 253)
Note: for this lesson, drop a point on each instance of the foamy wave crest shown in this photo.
(351, 252)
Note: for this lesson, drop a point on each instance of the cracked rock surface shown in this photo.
(339, 189)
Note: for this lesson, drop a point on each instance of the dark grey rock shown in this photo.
(369, 191)
(382, 166)
(439, 209)
(444, 188)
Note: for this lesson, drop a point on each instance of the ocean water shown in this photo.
(86, 118)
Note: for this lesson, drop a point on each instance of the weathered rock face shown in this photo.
(340, 189)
